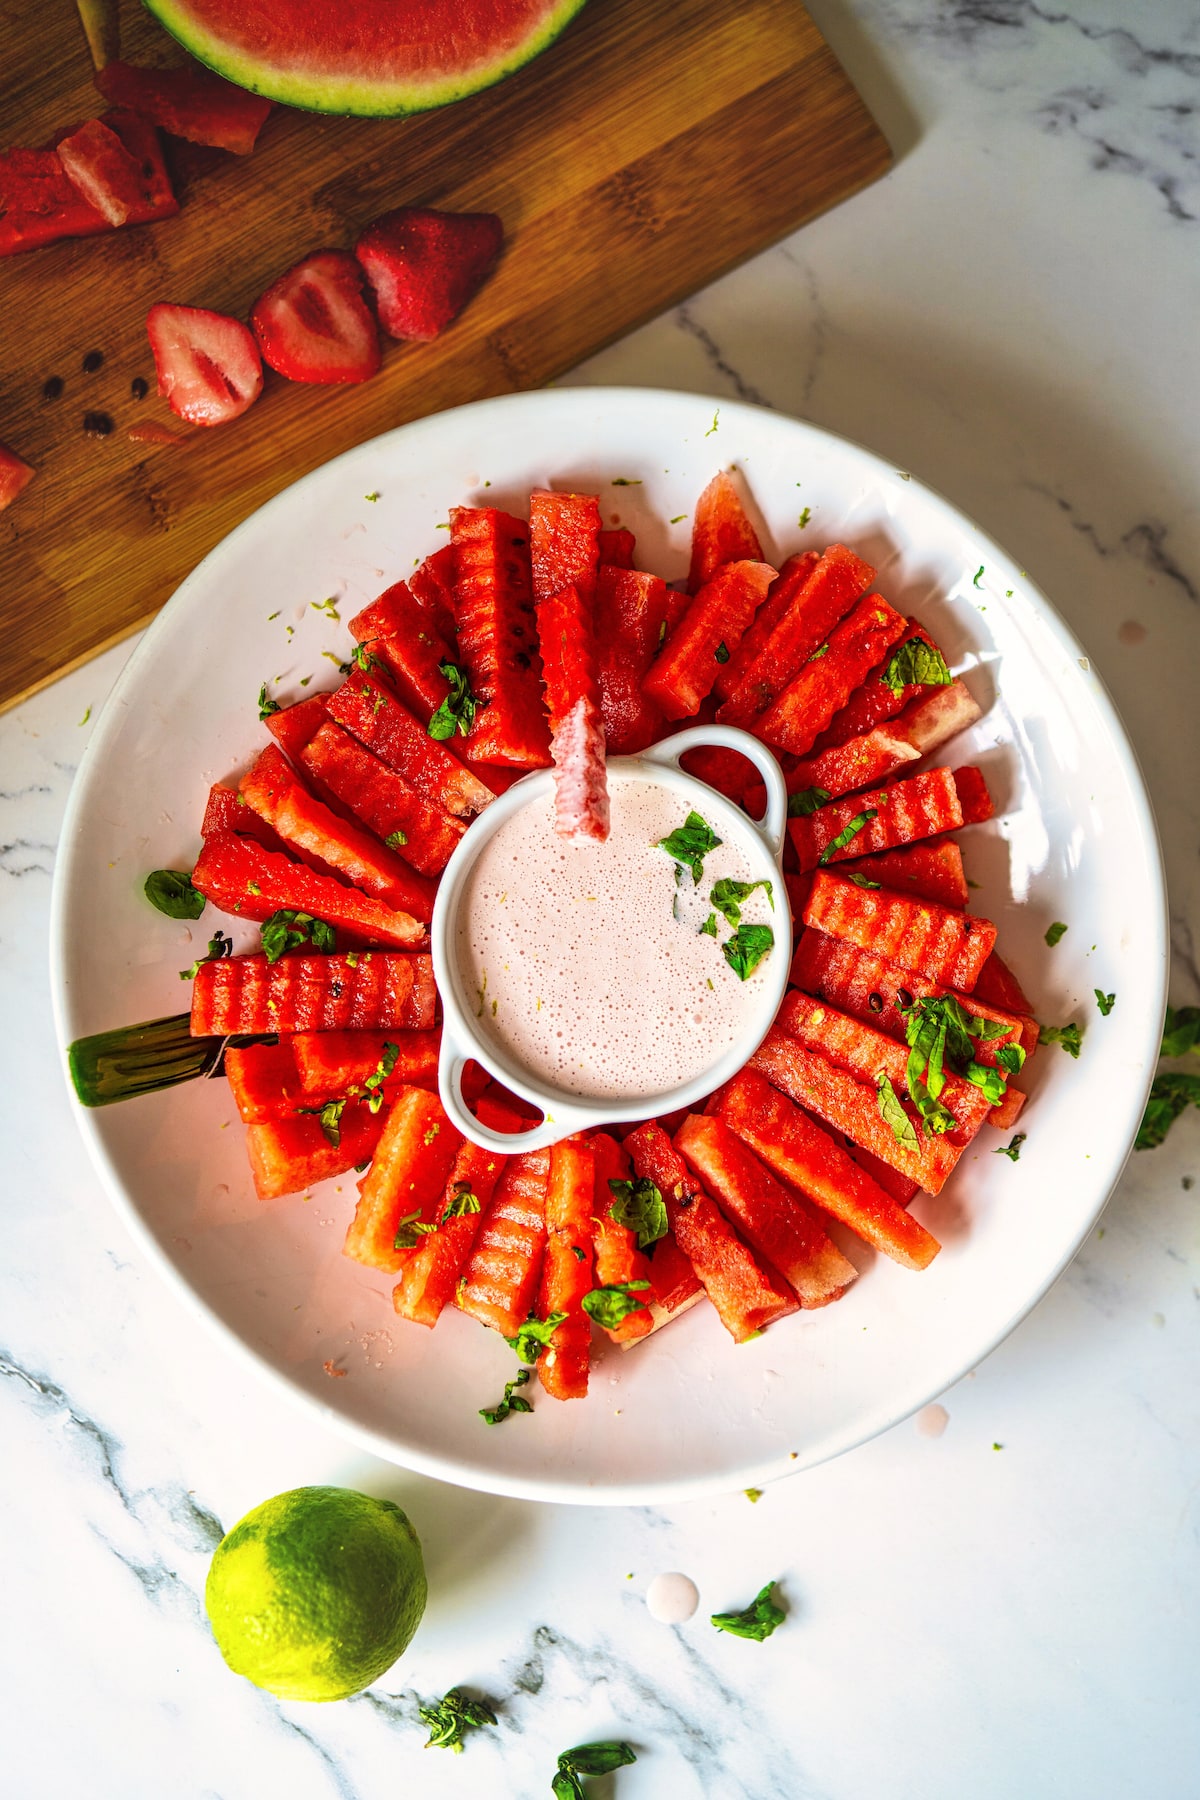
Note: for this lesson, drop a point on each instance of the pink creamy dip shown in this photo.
(586, 963)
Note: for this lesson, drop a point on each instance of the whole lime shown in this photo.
(315, 1593)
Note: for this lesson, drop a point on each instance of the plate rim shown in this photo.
(460, 1470)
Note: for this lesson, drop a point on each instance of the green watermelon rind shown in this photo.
(383, 99)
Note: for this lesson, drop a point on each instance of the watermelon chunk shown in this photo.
(935, 941)
(432, 587)
(369, 709)
(568, 652)
(264, 1080)
(102, 169)
(931, 720)
(500, 1280)
(782, 592)
(403, 635)
(405, 1183)
(820, 594)
(683, 673)
(932, 871)
(247, 996)
(497, 636)
(973, 796)
(225, 810)
(331, 1063)
(289, 1155)
(617, 547)
(188, 102)
(874, 703)
(721, 532)
(40, 203)
(618, 1259)
(564, 544)
(920, 807)
(241, 877)
(294, 726)
(424, 835)
(629, 614)
(567, 1269)
(430, 1273)
(800, 713)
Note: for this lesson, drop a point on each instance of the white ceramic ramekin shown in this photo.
(462, 1040)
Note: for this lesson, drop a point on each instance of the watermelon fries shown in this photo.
(527, 643)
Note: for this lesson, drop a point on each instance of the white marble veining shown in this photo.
(1007, 1609)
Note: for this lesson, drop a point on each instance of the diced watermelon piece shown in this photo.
(617, 548)
(935, 941)
(241, 877)
(294, 726)
(567, 1269)
(747, 1295)
(225, 810)
(931, 721)
(40, 203)
(406, 1180)
(1006, 1112)
(569, 664)
(683, 673)
(629, 615)
(15, 472)
(851, 1105)
(673, 1281)
(264, 1080)
(369, 709)
(776, 1224)
(564, 544)
(189, 102)
(500, 1281)
(806, 705)
(618, 1259)
(782, 592)
(931, 871)
(208, 365)
(432, 587)
(922, 806)
(288, 1156)
(424, 835)
(869, 988)
(497, 636)
(868, 1054)
(819, 595)
(304, 823)
(103, 170)
(331, 1063)
(247, 995)
(801, 1152)
(429, 1274)
(973, 796)
(874, 703)
(402, 634)
(721, 532)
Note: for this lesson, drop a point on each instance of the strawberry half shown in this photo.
(313, 323)
(208, 364)
(424, 266)
(15, 474)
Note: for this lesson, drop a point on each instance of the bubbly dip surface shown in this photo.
(587, 962)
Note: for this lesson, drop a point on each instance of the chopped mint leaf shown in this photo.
(638, 1205)
(806, 801)
(756, 1621)
(893, 1114)
(218, 946)
(722, 652)
(171, 891)
(916, 663)
(624, 481)
(1013, 1149)
(862, 881)
(754, 1495)
(512, 1401)
(534, 1337)
(727, 896)
(990, 1082)
(976, 576)
(820, 651)
(1069, 1036)
(579, 1253)
(1055, 932)
(408, 1231)
(286, 930)
(678, 519)
(266, 706)
(330, 1116)
(373, 1085)
(748, 946)
(396, 840)
(847, 834)
(1170, 1095)
(449, 1717)
(1011, 1058)
(610, 1304)
(709, 927)
(372, 496)
(690, 843)
(713, 426)
(461, 1202)
(87, 715)
(805, 516)
(458, 709)
(1105, 1002)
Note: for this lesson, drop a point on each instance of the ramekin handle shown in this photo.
(772, 827)
(555, 1126)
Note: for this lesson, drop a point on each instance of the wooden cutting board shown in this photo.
(648, 151)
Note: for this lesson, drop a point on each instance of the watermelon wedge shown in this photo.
(364, 56)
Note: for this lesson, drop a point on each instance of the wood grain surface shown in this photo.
(649, 150)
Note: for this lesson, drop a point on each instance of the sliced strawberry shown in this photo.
(190, 102)
(209, 370)
(424, 266)
(15, 474)
(102, 169)
(313, 323)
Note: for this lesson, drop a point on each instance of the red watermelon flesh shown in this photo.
(15, 474)
(364, 56)
(102, 169)
(190, 103)
(40, 203)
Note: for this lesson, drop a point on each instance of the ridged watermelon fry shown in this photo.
(500, 1281)
(793, 573)
(919, 807)
(401, 633)
(683, 673)
(369, 709)
(264, 1080)
(305, 823)
(332, 1063)
(618, 1259)
(999, 987)
(564, 544)
(747, 1296)
(721, 532)
(567, 1269)
(432, 587)
(569, 666)
(424, 835)
(241, 877)
(497, 636)
(777, 1225)
(801, 712)
(288, 1156)
(875, 702)
(935, 941)
(225, 810)
(367, 991)
(430, 1273)
(819, 594)
(294, 726)
(629, 619)
(807, 1156)
(405, 1183)
(930, 871)
(931, 721)
(973, 796)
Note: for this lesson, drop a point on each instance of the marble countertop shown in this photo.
(1003, 1608)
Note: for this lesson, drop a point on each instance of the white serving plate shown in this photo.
(687, 1412)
